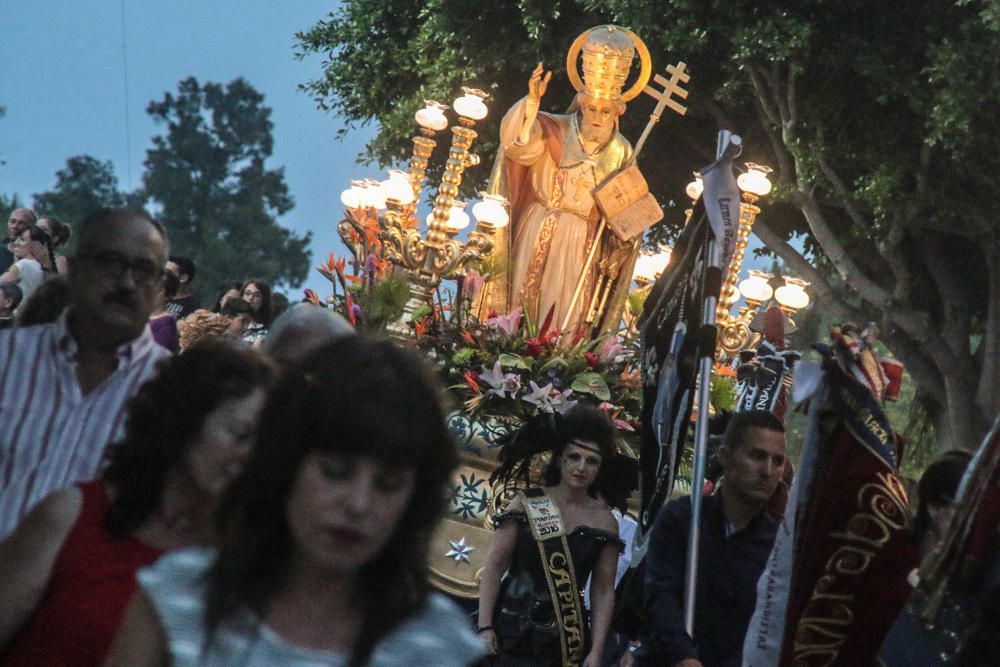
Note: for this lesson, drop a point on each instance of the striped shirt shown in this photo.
(51, 435)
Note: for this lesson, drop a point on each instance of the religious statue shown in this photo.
(548, 167)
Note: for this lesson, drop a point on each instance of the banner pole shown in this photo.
(701, 427)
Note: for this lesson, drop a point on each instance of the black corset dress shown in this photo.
(525, 622)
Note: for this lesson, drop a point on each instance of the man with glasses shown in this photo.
(64, 386)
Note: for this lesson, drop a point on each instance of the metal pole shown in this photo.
(701, 432)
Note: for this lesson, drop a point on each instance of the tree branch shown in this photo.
(892, 250)
(850, 203)
(914, 323)
(988, 392)
(773, 115)
(790, 101)
(820, 286)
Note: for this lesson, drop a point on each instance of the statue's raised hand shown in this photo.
(538, 83)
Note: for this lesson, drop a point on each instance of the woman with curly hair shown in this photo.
(202, 325)
(323, 555)
(68, 569)
(549, 540)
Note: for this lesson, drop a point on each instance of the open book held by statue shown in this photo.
(579, 203)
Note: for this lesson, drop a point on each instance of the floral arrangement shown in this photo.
(506, 365)
(501, 365)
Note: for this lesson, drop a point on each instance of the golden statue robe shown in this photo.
(548, 180)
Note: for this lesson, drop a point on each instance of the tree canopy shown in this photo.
(876, 120)
(83, 186)
(206, 177)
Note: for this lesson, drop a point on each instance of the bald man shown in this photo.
(19, 220)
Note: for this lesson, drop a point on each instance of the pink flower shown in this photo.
(473, 282)
(592, 359)
(611, 350)
(506, 324)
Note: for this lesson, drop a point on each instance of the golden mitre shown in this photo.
(607, 59)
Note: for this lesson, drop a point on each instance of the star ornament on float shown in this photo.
(459, 551)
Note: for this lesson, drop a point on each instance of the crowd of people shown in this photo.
(249, 485)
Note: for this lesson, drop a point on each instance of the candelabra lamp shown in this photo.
(380, 217)
(737, 332)
(753, 184)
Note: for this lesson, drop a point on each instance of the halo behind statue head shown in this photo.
(607, 58)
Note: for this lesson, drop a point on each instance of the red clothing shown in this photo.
(92, 581)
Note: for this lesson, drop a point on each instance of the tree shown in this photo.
(83, 186)
(878, 123)
(207, 178)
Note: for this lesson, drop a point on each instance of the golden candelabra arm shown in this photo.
(423, 146)
(402, 245)
(462, 137)
(479, 243)
(735, 333)
(431, 120)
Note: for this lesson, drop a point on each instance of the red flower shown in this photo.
(421, 326)
(472, 379)
(533, 347)
(468, 338)
(592, 359)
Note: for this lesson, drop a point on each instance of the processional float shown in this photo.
(621, 208)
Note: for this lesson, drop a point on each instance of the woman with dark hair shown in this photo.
(323, 555)
(34, 263)
(549, 540)
(68, 569)
(60, 234)
(227, 290)
(257, 292)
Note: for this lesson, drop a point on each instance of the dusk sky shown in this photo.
(62, 81)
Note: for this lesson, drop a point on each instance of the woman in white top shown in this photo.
(33, 253)
(324, 536)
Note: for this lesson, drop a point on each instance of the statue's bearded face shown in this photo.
(598, 118)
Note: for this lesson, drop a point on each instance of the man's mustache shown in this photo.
(122, 298)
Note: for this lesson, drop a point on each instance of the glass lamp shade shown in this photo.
(694, 189)
(756, 287)
(371, 194)
(351, 197)
(470, 105)
(457, 220)
(397, 187)
(755, 180)
(492, 210)
(792, 294)
(432, 116)
(650, 265)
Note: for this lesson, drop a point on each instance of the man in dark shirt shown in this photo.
(736, 538)
(184, 302)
